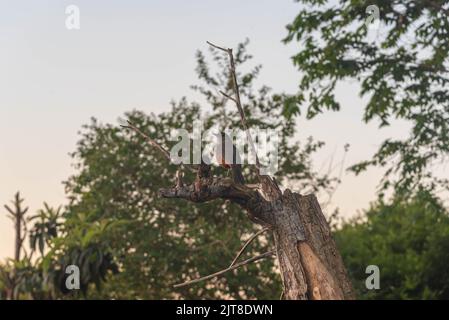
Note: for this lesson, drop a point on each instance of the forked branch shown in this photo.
(247, 243)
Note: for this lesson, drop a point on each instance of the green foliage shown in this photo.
(163, 242)
(26, 280)
(403, 72)
(80, 243)
(408, 240)
(45, 229)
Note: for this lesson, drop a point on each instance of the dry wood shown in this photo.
(230, 268)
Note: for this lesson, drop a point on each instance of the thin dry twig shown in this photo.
(216, 274)
(148, 138)
(254, 236)
(217, 47)
(164, 151)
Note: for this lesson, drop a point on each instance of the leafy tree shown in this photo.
(160, 242)
(17, 215)
(28, 277)
(45, 228)
(403, 72)
(22, 277)
(408, 240)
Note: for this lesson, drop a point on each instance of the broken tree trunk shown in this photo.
(311, 266)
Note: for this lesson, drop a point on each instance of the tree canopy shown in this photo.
(408, 240)
(402, 68)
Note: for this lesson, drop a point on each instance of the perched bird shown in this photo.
(226, 159)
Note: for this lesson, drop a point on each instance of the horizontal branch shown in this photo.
(213, 189)
(219, 273)
(208, 189)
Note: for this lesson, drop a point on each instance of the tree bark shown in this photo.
(310, 264)
(18, 242)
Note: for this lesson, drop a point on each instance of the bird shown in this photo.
(223, 156)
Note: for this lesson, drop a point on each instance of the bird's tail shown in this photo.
(237, 175)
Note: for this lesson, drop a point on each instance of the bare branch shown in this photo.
(9, 210)
(217, 47)
(282, 295)
(269, 186)
(148, 138)
(228, 96)
(254, 236)
(219, 273)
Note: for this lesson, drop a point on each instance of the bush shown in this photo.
(408, 240)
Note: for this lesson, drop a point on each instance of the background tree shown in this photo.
(402, 68)
(408, 240)
(43, 277)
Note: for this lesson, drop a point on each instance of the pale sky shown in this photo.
(140, 54)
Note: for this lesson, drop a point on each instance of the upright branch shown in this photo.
(269, 186)
(237, 100)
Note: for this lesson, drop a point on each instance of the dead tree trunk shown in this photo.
(17, 215)
(310, 264)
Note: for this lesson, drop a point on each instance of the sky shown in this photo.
(141, 55)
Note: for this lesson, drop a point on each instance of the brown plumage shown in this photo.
(223, 156)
